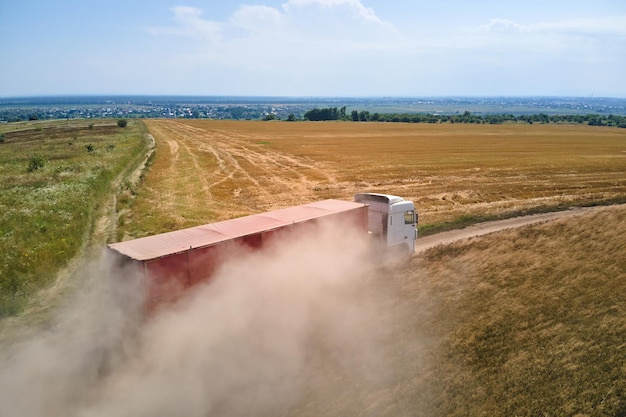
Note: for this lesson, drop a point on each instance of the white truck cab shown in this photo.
(392, 220)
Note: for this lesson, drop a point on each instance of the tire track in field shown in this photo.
(285, 171)
(180, 184)
(284, 161)
(240, 164)
(228, 168)
(237, 146)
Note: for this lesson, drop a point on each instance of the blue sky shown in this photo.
(313, 47)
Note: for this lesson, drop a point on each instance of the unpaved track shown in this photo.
(481, 229)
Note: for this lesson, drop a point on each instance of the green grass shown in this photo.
(55, 175)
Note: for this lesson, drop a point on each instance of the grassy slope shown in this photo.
(47, 214)
(527, 322)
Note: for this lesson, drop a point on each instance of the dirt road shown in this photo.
(446, 238)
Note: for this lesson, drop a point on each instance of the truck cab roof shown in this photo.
(381, 198)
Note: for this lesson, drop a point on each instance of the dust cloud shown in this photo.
(274, 332)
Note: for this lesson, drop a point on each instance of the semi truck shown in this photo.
(168, 264)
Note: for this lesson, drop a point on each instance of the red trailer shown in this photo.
(171, 262)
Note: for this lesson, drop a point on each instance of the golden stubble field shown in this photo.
(213, 170)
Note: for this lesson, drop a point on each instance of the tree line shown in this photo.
(323, 114)
(332, 113)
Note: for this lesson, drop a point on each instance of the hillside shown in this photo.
(524, 322)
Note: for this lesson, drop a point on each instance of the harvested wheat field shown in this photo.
(213, 170)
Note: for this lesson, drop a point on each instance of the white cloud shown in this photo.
(257, 19)
(614, 25)
(583, 39)
(502, 25)
(189, 22)
(365, 13)
(297, 21)
(342, 47)
(321, 44)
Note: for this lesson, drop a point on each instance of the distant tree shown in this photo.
(237, 112)
(3, 137)
(355, 116)
(595, 120)
(122, 123)
(316, 115)
(270, 116)
(312, 115)
(542, 118)
(291, 117)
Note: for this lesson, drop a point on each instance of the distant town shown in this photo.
(295, 108)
